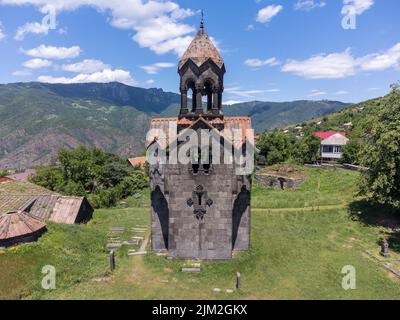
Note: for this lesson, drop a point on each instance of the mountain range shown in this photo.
(37, 119)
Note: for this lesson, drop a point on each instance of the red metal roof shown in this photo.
(139, 161)
(6, 179)
(328, 134)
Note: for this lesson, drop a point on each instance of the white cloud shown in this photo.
(57, 53)
(31, 27)
(341, 93)
(331, 66)
(158, 24)
(256, 63)
(104, 76)
(231, 102)
(381, 61)
(237, 91)
(359, 5)
(250, 27)
(150, 81)
(37, 63)
(374, 89)
(2, 34)
(341, 65)
(316, 93)
(22, 73)
(154, 68)
(266, 14)
(307, 5)
(86, 66)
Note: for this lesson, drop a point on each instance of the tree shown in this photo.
(351, 151)
(275, 146)
(381, 153)
(306, 149)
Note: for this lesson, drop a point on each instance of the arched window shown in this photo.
(192, 93)
(208, 92)
(201, 160)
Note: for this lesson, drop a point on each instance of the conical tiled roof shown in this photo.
(201, 49)
(18, 224)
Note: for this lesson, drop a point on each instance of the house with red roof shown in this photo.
(332, 144)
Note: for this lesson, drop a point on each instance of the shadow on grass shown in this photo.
(373, 214)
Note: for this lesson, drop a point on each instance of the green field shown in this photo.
(301, 239)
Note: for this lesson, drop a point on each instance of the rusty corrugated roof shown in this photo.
(18, 224)
(10, 203)
(43, 206)
(66, 210)
(41, 203)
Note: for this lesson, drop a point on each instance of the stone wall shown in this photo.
(225, 225)
(278, 182)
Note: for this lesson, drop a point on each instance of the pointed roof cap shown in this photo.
(201, 49)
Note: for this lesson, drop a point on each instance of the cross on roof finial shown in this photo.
(202, 21)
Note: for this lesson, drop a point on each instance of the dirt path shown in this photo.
(316, 208)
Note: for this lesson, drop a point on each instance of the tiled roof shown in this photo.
(200, 50)
(231, 123)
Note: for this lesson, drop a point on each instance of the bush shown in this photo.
(104, 178)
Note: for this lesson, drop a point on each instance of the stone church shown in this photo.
(200, 210)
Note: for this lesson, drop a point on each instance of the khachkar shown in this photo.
(200, 207)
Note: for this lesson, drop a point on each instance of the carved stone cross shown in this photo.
(200, 201)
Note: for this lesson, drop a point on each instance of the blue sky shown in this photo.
(273, 50)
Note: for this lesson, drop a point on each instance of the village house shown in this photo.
(332, 144)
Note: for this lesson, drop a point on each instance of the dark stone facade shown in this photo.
(200, 210)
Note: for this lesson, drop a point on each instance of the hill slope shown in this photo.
(37, 119)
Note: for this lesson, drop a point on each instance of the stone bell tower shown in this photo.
(201, 69)
(200, 209)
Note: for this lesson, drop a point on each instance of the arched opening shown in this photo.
(208, 92)
(191, 89)
(201, 160)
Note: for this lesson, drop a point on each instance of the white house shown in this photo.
(331, 148)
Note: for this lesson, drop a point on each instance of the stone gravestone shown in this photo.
(385, 249)
(112, 260)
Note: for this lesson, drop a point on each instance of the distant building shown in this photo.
(22, 176)
(348, 125)
(138, 162)
(332, 144)
(6, 179)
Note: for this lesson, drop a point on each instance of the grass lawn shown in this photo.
(301, 239)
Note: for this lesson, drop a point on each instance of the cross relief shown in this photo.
(200, 202)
